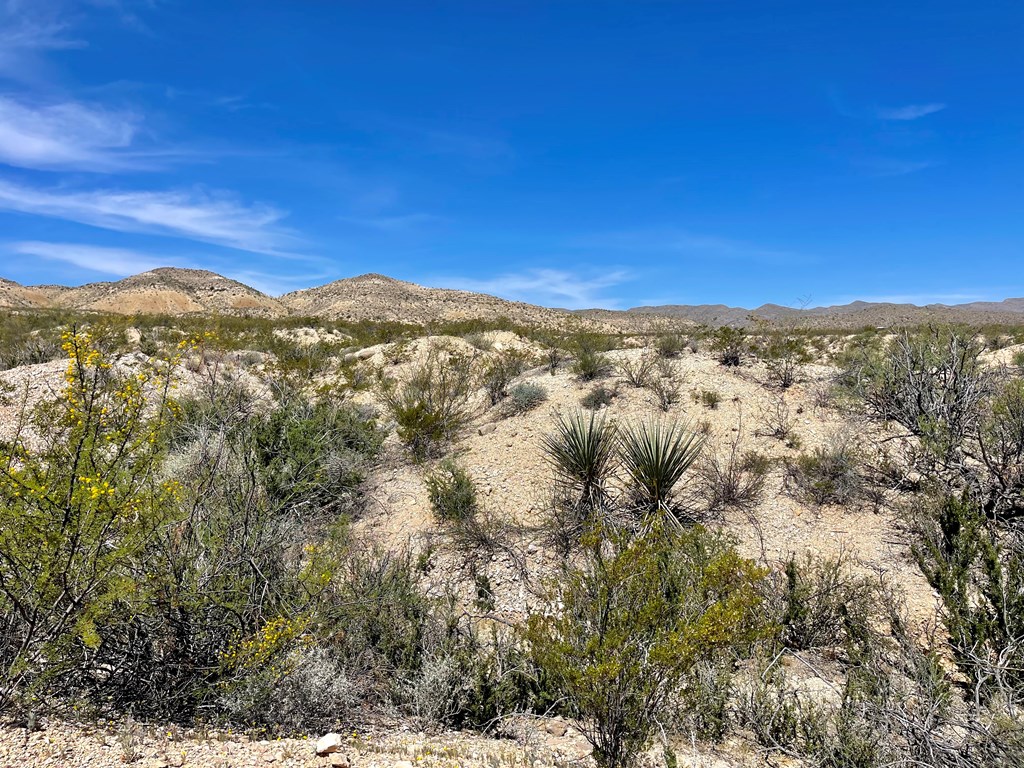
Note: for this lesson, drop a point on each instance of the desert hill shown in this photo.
(166, 290)
(856, 314)
(377, 297)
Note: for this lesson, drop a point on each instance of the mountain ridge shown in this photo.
(376, 297)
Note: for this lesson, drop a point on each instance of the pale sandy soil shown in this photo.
(515, 483)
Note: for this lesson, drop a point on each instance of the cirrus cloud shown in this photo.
(215, 218)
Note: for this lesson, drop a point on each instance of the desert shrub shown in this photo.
(309, 691)
(597, 397)
(553, 358)
(655, 456)
(735, 479)
(582, 451)
(525, 396)
(589, 364)
(709, 398)
(498, 372)
(312, 455)
(665, 384)
(729, 345)
(636, 371)
(980, 581)
(830, 474)
(626, 627)
(963, 422)
(431, 404)
(820, 603)
(823, 393)
(670, 344)
(776, 420)
(784, 353)
(451, 492)
(76, 515)
(1018, 358)
(480, 341)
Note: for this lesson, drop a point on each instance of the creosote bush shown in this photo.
(431, 403)
(636, 371)
(729, 345)
(498, 372)
(733, 479)
(626, 628)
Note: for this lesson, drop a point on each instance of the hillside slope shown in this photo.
(376, 297)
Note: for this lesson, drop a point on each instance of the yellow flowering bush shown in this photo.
(80, 498)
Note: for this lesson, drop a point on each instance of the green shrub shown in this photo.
(828, 475)
(525, 396)
(670, 344)
(784, 354)
(499, 371)
(431, 404)
(76, 516)
(980, 580)
(598, 397)
(451, 492)
(625, 628)
(589, 365)
(709, 398)
(1018, 358)
(822, 603)
(729, 345)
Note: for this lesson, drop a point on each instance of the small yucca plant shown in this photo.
(581, 450)
(656, 456)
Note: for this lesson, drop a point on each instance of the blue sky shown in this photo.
(567, 153)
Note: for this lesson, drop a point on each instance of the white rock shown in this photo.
(328, 744)
(486, 429)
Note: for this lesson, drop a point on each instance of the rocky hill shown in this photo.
(25, 297)
(165, 290)
(376, 297)
(856, 314)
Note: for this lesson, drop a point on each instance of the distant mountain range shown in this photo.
(376, 297)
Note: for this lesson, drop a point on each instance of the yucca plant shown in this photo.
(581, 450)
(656, 455)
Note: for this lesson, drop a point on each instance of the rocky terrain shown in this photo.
(857, 314)
(379, 298)
(165, 290)
(376, 297)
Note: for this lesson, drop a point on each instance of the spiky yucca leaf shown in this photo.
(581, 451)
(656, 455)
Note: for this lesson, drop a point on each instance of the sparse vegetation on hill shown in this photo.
(294, 525)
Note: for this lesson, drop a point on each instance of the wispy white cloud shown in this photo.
(395, 222)
(908, 111)
(67, 136)
(216, 218)
(119, 262)
(892, 166)
(27, 30)
(547, 287)
(123, 262)
(683, 242)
